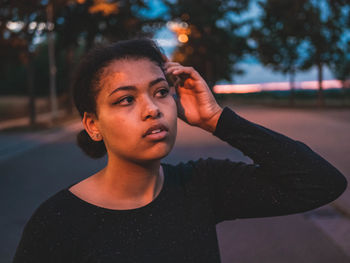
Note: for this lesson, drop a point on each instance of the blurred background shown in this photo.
(282, 64)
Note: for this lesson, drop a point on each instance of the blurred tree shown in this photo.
(278, 38)
(210, 39)
(80, 24)
(340, 66)
(17, 32)
(75, 26)
(52, 59)
(324, 25)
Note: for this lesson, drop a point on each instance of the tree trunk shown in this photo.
(343, 89)
(52, 62)
(321, 102)
(69, 63)
(31, 92)
(292, 88)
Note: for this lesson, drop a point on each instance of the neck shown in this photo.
(129, 181)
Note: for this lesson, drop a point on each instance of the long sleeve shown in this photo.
(286, 177)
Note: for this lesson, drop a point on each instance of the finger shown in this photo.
(178, 70)
(171, 79)
(171, 69)
(179, 79)
(168, 64)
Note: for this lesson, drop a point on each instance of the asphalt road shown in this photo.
(30, 177)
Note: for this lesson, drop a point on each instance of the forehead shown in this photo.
(129, 72)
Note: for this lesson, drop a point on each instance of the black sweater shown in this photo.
(179, 224)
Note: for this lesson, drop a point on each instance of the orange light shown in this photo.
(104, 7)
(80, 1)
(183, 38)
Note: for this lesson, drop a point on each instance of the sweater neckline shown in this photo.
(151, 204)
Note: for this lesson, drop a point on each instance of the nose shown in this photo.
(151, 110)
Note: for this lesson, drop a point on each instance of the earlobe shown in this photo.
(91, 126)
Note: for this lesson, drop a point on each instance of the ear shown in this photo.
(90, 123)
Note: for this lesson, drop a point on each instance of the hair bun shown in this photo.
(94, 149)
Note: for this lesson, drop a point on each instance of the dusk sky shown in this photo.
(254, 71)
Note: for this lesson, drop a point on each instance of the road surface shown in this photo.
(31, 176)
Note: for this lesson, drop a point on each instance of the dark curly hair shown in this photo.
(87, 78)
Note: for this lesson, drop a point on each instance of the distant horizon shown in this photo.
(257, 73)
(275, 86)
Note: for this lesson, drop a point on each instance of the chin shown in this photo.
(161, 152)
(158, 153)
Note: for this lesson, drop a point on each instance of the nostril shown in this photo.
(154, 114)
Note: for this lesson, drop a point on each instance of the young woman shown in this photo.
(138, 209)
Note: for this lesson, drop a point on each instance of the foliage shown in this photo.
(279, 36)
(324, 26)
(214, 44)
(340, 65)
(81, 22)
(77, 24)
(16, 45)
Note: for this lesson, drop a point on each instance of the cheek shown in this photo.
(121, 137)
(170, 109)
(171, 102)
(117, 130)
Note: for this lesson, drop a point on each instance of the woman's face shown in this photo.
(134, 95)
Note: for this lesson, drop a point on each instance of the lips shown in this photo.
(160, 126)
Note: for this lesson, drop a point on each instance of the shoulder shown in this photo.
(44, 231)
(50, 213)
(53, 203)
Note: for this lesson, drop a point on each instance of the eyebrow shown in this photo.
(152, 83)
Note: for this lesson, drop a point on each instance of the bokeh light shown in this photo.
(183, 38)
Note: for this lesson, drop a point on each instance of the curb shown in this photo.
(13, 144)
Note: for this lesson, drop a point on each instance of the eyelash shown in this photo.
(118, 102)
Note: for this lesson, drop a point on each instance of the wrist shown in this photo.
(211, 124)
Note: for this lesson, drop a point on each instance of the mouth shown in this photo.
(156, 136)
(156, 131)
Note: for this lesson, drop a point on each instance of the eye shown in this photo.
(124, 99)
(164, 91)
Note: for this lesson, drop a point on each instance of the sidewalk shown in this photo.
(18, 142)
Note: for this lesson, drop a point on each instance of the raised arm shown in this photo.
(286, 177)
